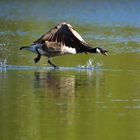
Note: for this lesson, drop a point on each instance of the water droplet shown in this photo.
(90, 64)
(3, 65)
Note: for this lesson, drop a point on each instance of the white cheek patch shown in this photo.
(98, 51)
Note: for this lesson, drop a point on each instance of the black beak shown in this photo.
(104, 52)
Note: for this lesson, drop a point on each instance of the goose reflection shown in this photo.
(60, 85)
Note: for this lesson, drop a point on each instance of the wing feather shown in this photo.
(64, 34)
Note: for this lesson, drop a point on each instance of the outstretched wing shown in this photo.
(64, 34)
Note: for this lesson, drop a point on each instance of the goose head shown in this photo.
(102, 51)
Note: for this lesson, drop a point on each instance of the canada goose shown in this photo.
(60, 40)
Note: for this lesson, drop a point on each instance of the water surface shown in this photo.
(39, 103)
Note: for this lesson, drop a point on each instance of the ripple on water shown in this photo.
(133, 107)
(119, 100)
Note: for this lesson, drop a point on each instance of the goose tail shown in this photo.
(24, 47)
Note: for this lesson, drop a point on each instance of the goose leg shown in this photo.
(38, 56)
(55, 67)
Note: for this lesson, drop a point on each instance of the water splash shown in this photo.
(99, 64)
(90, 64)
(3, 65)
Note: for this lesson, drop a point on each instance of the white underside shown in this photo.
(63, 50)
(68, 50)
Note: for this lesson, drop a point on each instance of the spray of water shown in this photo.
(3, 65)
(90, 64)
